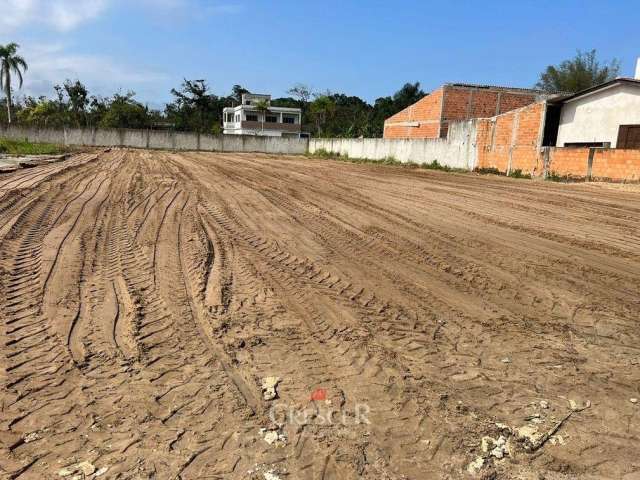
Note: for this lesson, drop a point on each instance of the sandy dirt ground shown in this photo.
(421, 324)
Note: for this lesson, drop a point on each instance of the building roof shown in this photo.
(495, 87)
(596, 88)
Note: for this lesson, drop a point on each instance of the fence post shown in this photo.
(592, 152)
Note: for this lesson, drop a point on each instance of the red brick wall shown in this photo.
(514, 135)
(569, 162)
(616, 164)
(464, 103)
(426, 112)
(425, 130)
(511, 101)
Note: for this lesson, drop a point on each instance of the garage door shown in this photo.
(628, 136)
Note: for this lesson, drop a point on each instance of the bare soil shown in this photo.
(146, 295)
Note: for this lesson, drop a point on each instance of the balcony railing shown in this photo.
(283, 127)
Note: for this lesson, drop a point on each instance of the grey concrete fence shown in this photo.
(158, 139)
(458, 150)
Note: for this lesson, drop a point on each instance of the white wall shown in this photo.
(458, 150)
(597, 117)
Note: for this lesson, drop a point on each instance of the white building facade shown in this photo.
(256, 116)
(604, 116)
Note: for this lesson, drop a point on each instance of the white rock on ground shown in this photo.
(475, 466)
(270, 475)
(273, 436)
(269, 385)
(85, 468)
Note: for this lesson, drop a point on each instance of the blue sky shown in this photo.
(364, 48)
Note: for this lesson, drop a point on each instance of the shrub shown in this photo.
(488, 171)
(519, 174)
(24, 147)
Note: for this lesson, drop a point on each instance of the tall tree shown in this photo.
(322, 108)
(236, 93)
(123, 111)
(78, 101)
(302, 93)
(194, 107)
(582, 71)
(10, 63)
(409, 94)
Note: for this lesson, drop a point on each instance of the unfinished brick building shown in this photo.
(430, 117)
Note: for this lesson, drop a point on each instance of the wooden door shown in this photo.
(628, 136)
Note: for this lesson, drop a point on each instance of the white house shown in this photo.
(256, 116)
(606, 115)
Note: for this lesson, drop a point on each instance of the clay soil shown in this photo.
(145, 295)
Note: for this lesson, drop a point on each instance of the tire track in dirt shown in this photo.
(144, 295)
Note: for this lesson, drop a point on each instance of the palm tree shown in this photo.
(263, 107)
(10, 62)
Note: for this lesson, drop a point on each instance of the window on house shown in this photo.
(587, 144)
(289, 119)
(247, 102)
(251, 117)
(272, 119)
(237, 118)
(229, 117)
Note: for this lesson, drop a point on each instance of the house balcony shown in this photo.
(257, 126)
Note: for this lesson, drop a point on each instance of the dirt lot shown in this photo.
(145, 295)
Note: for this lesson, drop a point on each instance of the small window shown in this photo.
(247, 102)
(252, 117)
(587, 144)
(229, 117)
(272, 119)
(289, 119)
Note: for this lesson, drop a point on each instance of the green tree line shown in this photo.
(194, 107)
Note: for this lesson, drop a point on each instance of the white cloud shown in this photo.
(61, 15)
(66, 15)
(51, 64)
(189, 10)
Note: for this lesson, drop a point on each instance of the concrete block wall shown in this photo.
(431, 116)
(420, 120)
(616, 164)
(512, 141)
(609, 164)
(157, 139)
(569, 162)
(456, 151)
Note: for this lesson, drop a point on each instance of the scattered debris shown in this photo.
(269, 385)
(101, 471)
(31, 437)
(506, 360)
(495, 448)
(544, 404)
(557, 440)
(84, 468)
(633, 400)
(475, 466)
(270, 475)
(272, 436)
(573, 405)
